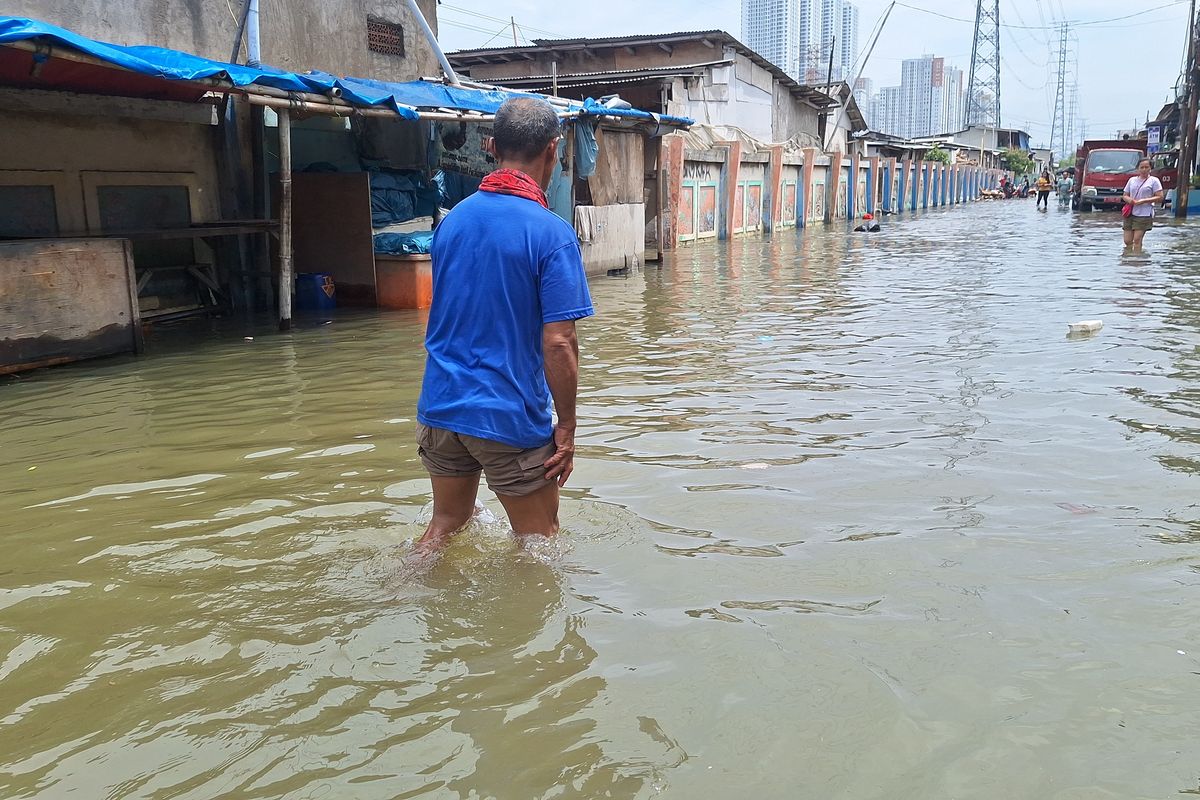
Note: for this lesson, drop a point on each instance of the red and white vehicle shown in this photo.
(1102, 168)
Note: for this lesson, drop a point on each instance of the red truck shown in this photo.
(1102, 168)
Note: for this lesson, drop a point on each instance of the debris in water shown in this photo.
(1085, 326)
(248, 338)
(756, 465)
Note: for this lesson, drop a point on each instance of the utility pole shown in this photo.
(983, 85)
(1187, 146)
(513, 22)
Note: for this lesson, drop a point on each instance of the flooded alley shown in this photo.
(852, 517)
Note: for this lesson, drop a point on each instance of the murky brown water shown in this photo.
(853, 518)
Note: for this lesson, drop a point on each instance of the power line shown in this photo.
(1077, 23)
(490, 18)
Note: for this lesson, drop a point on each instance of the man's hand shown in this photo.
(560, 465)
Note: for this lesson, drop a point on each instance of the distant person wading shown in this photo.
(508, 285)
(1044, 184)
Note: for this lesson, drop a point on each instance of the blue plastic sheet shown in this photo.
(404, 244)
(400, 196)
(174, 65)
(586, 148)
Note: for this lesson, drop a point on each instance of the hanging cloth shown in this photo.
(586, 148)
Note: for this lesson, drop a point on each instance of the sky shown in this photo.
(1126, 68)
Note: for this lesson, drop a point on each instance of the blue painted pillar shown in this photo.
(852, 190)
(900, 202)
(926, 173)
(872, 171)
(916, 185)
(889, 177)
(945, 181)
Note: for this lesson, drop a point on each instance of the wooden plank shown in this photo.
(331, 216)
(619, 168)
(64, 300)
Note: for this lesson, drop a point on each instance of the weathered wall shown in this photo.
(298, 35)
(611, 237)
(603, 59)
(65, 300)
(791, 118)
(741, 93)
(721, 191)
(69, 147)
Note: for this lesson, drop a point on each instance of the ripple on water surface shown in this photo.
(853, 517)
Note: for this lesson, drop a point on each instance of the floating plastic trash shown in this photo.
(1085, 326)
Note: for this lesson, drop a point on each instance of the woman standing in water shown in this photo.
(1142, 192)
(1044, 185)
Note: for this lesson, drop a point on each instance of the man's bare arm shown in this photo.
(560, 350)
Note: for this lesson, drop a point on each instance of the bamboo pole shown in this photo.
(285, 220)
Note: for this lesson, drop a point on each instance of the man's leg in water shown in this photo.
(453, 504)
(534, 514)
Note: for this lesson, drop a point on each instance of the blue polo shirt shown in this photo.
(503, 266)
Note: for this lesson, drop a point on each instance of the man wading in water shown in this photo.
(508, 285)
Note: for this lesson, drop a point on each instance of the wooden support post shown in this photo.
(262, 294)
(285, 219)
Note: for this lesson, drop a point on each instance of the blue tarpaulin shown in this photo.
(402, 98)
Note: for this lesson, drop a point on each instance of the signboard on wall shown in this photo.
(461, 148)
(1153, 139)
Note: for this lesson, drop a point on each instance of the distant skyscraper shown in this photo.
(885, 114)
(848, 43)
(928, 101)
(797, 36)
(864, 91)
(769, 27)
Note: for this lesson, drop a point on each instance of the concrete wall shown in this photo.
(742, 93)
(715, 193)
(298, 35)
(790, 117)
(69, 149)
(603, 59)
(722, 98)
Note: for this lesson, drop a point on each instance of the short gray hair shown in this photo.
(523, 127)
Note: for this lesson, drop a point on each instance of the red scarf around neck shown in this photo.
(514, 182)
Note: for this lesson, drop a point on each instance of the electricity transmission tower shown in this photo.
(983, 84)
(1058, 125)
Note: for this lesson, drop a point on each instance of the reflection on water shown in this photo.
(853, 517)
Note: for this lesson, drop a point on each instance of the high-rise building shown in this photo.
(770, 28)
(886, 112)
(798, 36)
(864, 91)
(928, 101)
(847, 42)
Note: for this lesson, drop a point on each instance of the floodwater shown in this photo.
(853, 517)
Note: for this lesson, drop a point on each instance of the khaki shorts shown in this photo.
(1132, 223)
(509, 470)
